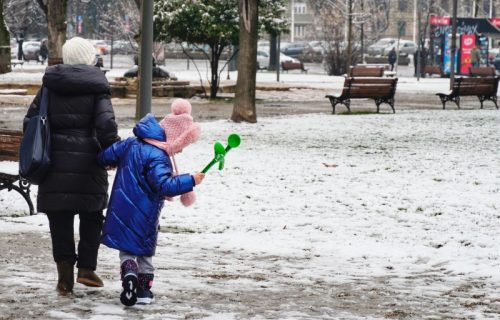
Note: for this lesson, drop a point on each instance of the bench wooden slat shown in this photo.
(482, 71)
(367, 71)
(430, 70)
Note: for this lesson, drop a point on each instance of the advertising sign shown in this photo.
(440, 20)
(447, 55)
(467, 42)
(495, 22)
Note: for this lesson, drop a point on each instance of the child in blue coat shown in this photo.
(144, 178)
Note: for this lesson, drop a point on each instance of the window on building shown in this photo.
(300, 31)
(300, 8)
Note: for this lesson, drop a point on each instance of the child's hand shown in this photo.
(198, 178)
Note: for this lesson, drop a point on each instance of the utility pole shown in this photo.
(420, 47)
(490, 40)
(453, 43)
(415, 20)
(362, 32)
(146, 60)
(349, 38)
(292, 23)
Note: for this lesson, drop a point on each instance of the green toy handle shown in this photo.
(219, 153)
(233, 141)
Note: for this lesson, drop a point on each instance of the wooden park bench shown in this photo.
(381, 90)
(9, 150)
(481, 71)
(290, 65)
(363, 71)
(430, 70)
(484, 88)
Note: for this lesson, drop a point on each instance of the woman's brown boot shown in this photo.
(66, 277)
(88, 277)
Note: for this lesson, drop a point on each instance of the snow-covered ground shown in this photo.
(369, 216)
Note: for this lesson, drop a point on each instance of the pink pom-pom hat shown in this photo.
(179, 127)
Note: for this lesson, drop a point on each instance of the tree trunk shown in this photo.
(4, 44)
(273, 53)
(244, 102)
(56, 26)
(214, 61)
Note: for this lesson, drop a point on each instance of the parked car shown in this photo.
(124, 47)
(295, 49)
(263, 59)
(318, 46)
(101, 46)
(263, 44)
(31, 51)
(377, 49)
(406, 47)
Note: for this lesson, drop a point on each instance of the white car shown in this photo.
(405, 46)
(263, 59)
(377, 49)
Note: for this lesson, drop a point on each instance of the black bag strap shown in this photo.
(44, 102)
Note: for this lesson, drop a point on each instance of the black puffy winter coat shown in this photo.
(82, 123)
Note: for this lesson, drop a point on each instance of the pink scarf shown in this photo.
(188, 198)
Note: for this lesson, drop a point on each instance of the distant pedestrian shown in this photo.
(145, 176)
(44, 51)
(392, 58)
(475, 56)
(20, 41)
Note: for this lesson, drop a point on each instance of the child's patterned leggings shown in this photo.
(145, 264)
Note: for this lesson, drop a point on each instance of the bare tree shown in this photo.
(244, 102)
(24, 15)
(4, 44)
(55, 13)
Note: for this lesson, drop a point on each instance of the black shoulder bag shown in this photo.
(34, 151)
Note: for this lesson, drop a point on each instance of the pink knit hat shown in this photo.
(179, 127)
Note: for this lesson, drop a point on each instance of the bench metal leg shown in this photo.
(23, 189)
(346, 102)
(445, 98)
(390, 101)
(484, 98)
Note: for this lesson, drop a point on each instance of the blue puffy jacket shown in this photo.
(143, 179)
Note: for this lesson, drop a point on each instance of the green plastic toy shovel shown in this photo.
(233, 141)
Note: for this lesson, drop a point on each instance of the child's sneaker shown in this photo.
(144, 294)
(129, 271)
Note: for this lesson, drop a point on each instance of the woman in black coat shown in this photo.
(82, 123)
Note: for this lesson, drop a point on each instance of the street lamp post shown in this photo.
(453, 43)
(146, 60)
